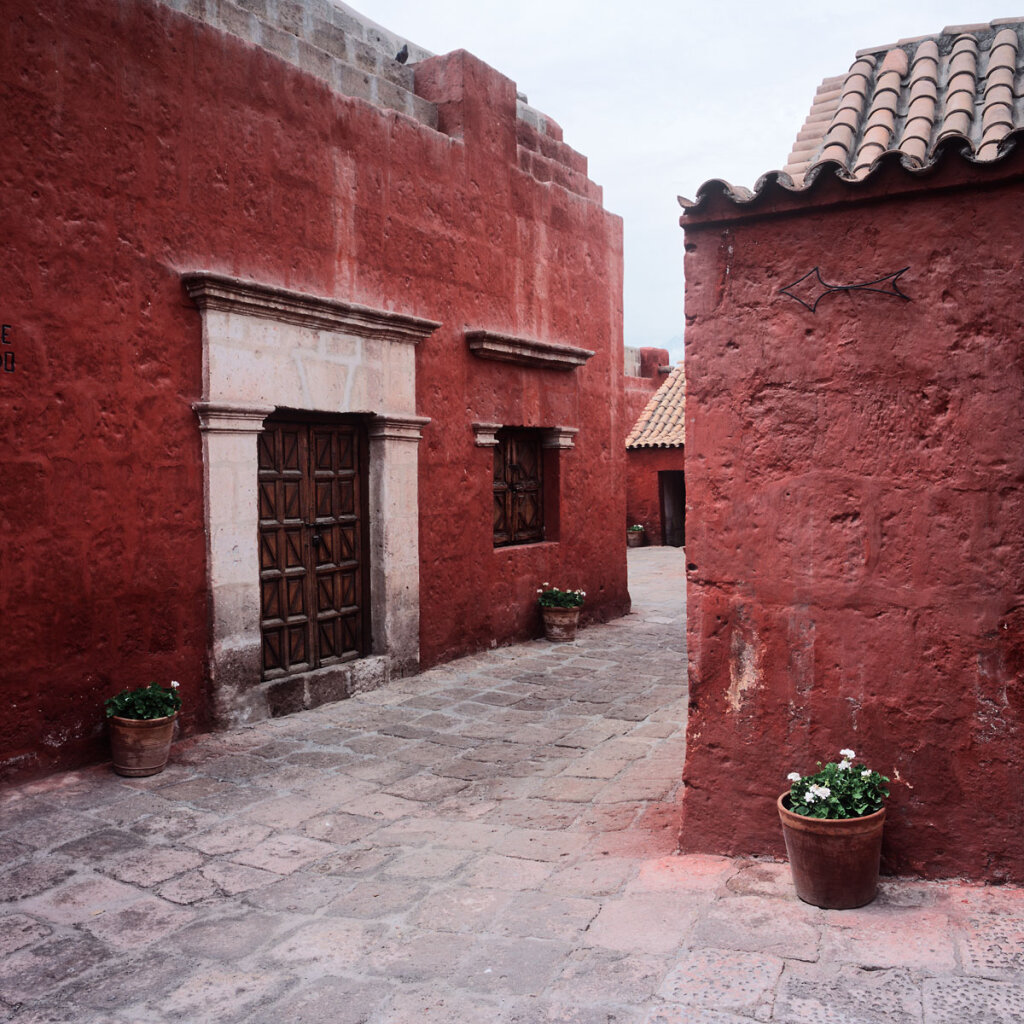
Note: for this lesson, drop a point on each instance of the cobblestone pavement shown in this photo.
(489, 841)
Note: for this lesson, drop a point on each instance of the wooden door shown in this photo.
(313, 567)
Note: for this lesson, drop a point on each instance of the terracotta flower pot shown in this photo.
(634, 538)
(834, 860)
(140, 746)
(560, 624)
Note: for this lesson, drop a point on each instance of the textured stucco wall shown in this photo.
(150, 144)
(856, 556)
(642, 505)
(643, 494)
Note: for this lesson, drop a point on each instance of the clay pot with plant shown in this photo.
(141, 725)
(560, 610)
(832, 822)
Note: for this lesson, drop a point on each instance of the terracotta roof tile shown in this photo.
(662, 423)
(908, 96)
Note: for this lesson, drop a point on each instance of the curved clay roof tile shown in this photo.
(895, 60)
(923, 107)
(998, 114)
(915, 148)
(1006, 37)
(928, 50)
(960, 98)
(877, 135)
(999, 78)
(839, 136)
(964, 60)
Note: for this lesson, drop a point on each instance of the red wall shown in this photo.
(147, 145)
(642, 503)
(541, 262)
(643, 495)
(855, 567)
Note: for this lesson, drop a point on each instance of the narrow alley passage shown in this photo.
(489, 841)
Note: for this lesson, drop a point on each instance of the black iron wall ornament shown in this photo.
(816, 288)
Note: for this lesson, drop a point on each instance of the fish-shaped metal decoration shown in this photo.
(816, 287)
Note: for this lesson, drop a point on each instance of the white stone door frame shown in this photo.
(267, 348)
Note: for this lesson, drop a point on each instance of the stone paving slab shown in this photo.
(492, 840)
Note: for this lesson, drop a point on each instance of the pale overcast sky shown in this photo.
(662, 96)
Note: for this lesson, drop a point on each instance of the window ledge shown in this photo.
(526, 352)
(525, 546)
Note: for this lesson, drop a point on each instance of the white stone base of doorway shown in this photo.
(305, 690)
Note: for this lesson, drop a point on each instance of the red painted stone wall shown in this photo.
(642, 505)
(643, 496)
(148, 144)
(855, 563)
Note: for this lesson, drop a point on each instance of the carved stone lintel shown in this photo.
(486, 434)
(397, 428)
(552, 437)
(560, 437)
(234, 295)
(231, 418)
(525, 351)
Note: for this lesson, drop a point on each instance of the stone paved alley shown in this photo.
(489, 841)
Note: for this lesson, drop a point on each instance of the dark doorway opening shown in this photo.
(672, 494)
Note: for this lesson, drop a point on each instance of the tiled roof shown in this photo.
(913, 102)
(908, 97)
(662, 423)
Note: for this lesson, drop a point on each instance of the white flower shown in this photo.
(866, 773)
(810, 796)
(793, 776)
(540, 590)
(821, 792)
(844, 766)
(174, 683)
(848, 754)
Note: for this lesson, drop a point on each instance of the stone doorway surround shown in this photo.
(268, 348)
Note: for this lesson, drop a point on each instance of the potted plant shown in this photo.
(832, 823)
(141, 725)
(561, 612)
(634, 535)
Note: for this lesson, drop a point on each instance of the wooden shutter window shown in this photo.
(518, 488)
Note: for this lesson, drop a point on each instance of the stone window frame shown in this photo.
(553, 441)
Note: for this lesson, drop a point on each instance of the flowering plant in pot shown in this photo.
(832, 822)
(141, 725)
(634, 535)
(560, 610)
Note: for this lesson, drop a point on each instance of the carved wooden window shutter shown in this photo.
(518, 488)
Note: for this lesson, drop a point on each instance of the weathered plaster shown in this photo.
(856, 553)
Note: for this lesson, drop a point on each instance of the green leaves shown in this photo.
(151, 701)
(843, 790)
(552, 597)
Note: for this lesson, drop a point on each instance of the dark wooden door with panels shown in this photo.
(313, 543)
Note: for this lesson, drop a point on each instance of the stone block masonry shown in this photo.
(327, 40)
